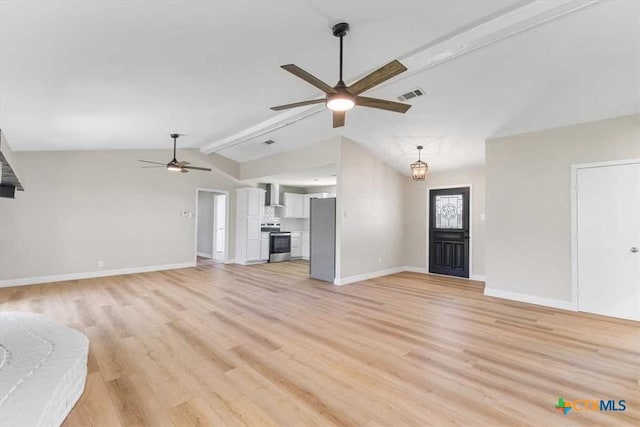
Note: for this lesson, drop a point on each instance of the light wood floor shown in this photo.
(264, 345)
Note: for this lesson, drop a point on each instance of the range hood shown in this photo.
(273, 196)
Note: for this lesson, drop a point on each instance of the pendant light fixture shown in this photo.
(419, 168)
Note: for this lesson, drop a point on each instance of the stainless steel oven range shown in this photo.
(279, 246)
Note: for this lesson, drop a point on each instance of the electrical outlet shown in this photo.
(100, 263)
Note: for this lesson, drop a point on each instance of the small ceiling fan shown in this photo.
(341, 97)
(174, 165)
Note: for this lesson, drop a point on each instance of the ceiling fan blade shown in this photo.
(297, 71)
(183, 163)
(382, 104)
(183, 170)
(380, 75)
(338, 118)
(196, 168)
(298, 104)
(155, 163)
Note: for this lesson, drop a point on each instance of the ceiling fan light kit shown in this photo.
(341, 97)
(340, 101)
(174, 165)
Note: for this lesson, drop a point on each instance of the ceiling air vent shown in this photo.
(269, 141)
(412, 94)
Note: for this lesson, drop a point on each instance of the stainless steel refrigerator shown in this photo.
(322, 239)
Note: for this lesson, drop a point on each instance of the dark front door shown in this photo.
(449, 231)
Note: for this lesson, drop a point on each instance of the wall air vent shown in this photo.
(269, 141)
(412, 94)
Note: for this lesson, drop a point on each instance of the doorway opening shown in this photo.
(449, 242)
(211, 237)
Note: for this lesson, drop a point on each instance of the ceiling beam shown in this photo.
(486, 32)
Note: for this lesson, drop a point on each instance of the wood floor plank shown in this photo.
(265, 345)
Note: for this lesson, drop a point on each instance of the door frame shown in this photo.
(445, 187)
(575, 285)
(226, 231)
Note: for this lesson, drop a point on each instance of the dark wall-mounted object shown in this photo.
(9, 181)
(8, 191)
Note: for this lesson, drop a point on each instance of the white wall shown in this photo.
(415, 221)
(80, 207)
(528, 202)
(331, 189)
(205, 223)
(369, 213)
(302, 159)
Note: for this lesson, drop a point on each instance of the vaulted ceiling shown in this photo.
(123, 75)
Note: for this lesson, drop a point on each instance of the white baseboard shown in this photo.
(91, 274)
(530, 299)
(235, 261)
(367, 276)
(205, 255)
(423, 270)
(415, 269)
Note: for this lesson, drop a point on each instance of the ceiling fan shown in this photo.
(341, 97)
(174, 165)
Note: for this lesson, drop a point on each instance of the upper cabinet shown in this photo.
(299, 205)
(294, 205)
(306, 205)
(255, 202)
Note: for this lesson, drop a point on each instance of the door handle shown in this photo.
(634, 249)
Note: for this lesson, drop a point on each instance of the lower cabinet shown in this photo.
(264, 249)
(253, 249)
(296, 245)
(305, 245)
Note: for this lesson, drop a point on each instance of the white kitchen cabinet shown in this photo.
(305, 245)
(255, 203)
(296, 245)
(253, 250)
(288, 205)
(306, 208)
(264, 247)
(299, 205)
(249, 209)
(294, 205)
(253, 238)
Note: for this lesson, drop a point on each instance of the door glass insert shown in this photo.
(449, 211)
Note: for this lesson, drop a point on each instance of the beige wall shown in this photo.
(529, 201)
(369, 213)
(309, 157)
(83, 206)
(205, 222)
(415, 215)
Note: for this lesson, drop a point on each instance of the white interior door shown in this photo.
(608, 225)
(220, 209)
